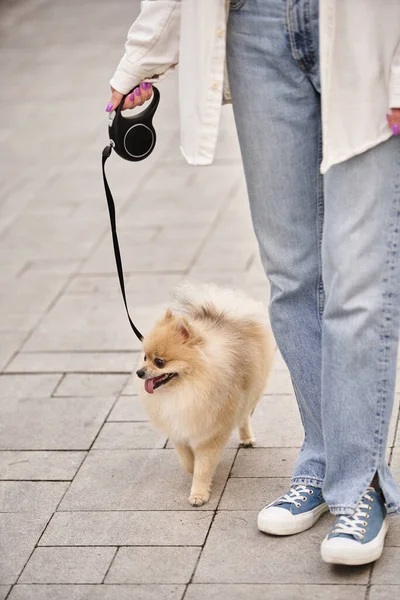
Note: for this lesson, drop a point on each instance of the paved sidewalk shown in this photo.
(93, 503)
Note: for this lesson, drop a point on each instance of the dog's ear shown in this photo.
(168, 314)
(189, 336)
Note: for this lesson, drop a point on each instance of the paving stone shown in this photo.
(28, 386)
(94, 362)
(127, 528)
(384, 592)
(275, 592)
(130, 388)
(276, 423)
(92, 329)
(91, 384)
(31, 496)
(10, 343)
(39, 465)
(153, 565)
(393, 535)
(128, 408)
(117, 436)
(51, 423)
(252, 494)
(97, 592)
(280, 383)
(18, 535)
(138, 480)
(28, 296)
(265, 462)
(4, 589)
(67, 565)
(386, 568)
(256, 558)
(161, 254)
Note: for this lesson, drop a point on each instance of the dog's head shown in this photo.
(171, 353)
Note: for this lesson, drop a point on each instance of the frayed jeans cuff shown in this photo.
(342, 510)
(307, 481)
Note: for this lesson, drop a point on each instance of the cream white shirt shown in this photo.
(359, 61)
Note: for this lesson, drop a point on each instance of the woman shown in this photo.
(311, 87)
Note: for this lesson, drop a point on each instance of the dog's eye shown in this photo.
(159, 363)
(144, 357)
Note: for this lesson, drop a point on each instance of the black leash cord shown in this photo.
(111, 209)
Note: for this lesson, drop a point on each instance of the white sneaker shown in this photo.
(294, 512)
(358, 539)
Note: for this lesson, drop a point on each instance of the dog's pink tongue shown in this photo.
(149, 386)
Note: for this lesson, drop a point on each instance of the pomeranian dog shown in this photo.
(205, 366)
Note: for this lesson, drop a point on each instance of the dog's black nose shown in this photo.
(140, 373)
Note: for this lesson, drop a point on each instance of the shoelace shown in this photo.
(355, 525)
(295, 495)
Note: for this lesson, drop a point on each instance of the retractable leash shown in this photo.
(132, 138)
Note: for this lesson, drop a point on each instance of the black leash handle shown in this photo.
(111, 210)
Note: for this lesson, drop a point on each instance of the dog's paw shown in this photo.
(198, 499)
(247, 443)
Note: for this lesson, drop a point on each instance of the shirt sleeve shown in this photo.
(152, 47)
(394, 83)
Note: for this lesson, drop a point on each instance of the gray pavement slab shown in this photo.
(254, 557)
(120, 436)
(244, 493)
(153, 565)
(97, 592)
(275, 592)
(37, 497)
(36, 465)
(67, 565)
(71, 362)
(138, 480)
(128, 408)
(384, 592)
(265, 462)
(127, 528)
(90, 384)
(4, 589)
(28, 386)
(276, 423)
(387, 567)
(19, 533)
(51, 423)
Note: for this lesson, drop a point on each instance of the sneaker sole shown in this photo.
(299, 523)
(361, 554)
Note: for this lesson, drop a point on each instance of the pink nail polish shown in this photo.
(132, 97)
(137, 91)
(109, 107)
(148, 85)
(143, 85)
(395, 129)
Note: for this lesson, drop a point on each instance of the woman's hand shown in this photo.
(393, 119)
(139, 96)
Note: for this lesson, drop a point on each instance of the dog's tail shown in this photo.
(209, 301)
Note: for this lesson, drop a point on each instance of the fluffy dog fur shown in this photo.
(205, 366)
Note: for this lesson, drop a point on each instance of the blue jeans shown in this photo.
(329, 246)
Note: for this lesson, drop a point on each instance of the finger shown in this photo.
(138, 96)
(115, 99)
(393, 119)
(134, 99)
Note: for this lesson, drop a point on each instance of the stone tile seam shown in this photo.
(210, 526)
(63, 495)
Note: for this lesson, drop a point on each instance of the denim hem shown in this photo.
(393, 511)
(349, 510)
(307, 481)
